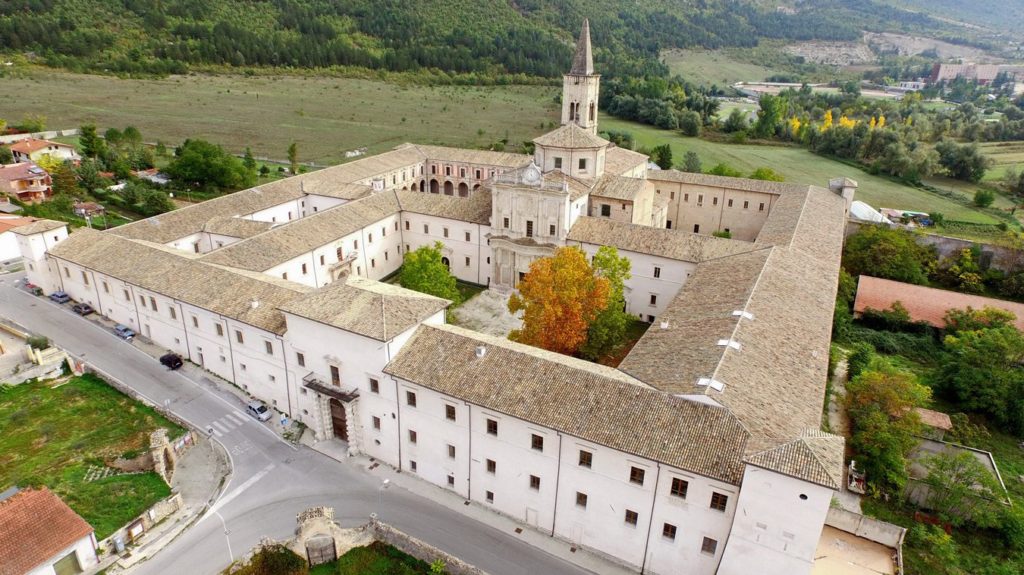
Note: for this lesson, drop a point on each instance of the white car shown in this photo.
(259, 410)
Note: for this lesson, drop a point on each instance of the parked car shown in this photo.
(171, 360)
(82, 309)
(124, 332)
(259, 410)
(33, 289)
(60, 297)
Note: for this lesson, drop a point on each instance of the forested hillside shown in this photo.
(485, 38)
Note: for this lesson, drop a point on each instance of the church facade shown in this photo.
(701, 453)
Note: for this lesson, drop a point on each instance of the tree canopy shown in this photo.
(200, 164)
(424, 271)
(610, 324)
(888, 253)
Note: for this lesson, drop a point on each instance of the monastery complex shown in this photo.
(702, 453)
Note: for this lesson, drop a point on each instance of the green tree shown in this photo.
(961, 271)
(200, 164)
(89, 175)
(161, 149)
(156, 202)
(963, 162)
(860, 359)
(90, 143)
(423, 270)
(131, 136)
(736, 121)
(32, 123)
(293, 157)
(248, 161)
(767, 174)
(6, 155)
(724, 169)
(113, 137)
(691, 162)
(962, 490)
(769, 116)
(690, 123)
(65, 181)
(983, 197)
(662, 155)
(880, 403)
(888, 253)
(609, 326)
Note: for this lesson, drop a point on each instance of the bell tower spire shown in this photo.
(581, 85)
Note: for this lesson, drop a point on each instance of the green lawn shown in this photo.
(1004, 155)
(375, 559)
(708, 67)
(50, 436)
(800, 166)
(326, 116)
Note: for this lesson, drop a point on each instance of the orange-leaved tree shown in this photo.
(559, 297)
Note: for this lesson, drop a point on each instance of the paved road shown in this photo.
(272, 480)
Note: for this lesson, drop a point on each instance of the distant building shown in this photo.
(88, 209)
(25, 181)
(924, 303)
(983, 74)
(33, 150)
(41, 535)
(9, 249)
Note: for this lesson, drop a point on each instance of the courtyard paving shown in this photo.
(488, 313)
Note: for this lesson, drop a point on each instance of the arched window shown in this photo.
(414, 187)
(434, 187)
(593, 111)
(463, 189)
(449, 189)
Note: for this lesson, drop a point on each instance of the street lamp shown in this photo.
(380, 492)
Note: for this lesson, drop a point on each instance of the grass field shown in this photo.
(716, 67)
(1004, 155)
(800, 166)
(50, 435)
(325, 116)
(375, 559)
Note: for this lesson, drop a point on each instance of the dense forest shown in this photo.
(488, 39)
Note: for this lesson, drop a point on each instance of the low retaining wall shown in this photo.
(420, 550)
(998, 257)
(869, 528)
(141, 524)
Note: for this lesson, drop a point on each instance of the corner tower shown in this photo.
(580, 86)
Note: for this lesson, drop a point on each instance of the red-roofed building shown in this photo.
(41, 535)
(32, 150)
(924, 303)
(25, 181)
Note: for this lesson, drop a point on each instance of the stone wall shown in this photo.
(866, 527)
(995, 256)
(420, 550)
(143, 523)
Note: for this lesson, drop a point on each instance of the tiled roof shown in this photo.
(37, 227)
(935, 419)
(480, 157)
(370, 308)
(21, 171)
(33, 145)
(776, 304)
(298, 237)
(570, 136)
(235, 227)
(35, 525)
(924, 303)
(340, 190)
(815, 456)
(671, 244)
(583, 59)
(182, 277)
(575, 397)
(474, 209)
(8, 224)
(620, 160)
(618, 187)
(744, 184)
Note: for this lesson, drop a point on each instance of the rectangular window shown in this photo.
(636, 475)
(746, 204)
(467, 261)
(529, 228)
(668, 531)
(537, 442)
(412, 436)
(376, 422)
(654, 299)
(558, 163)
(85, 278)
(426, 228)
(686, 197)
(657, 272)
(729, 203)
(679, 487)
(321, 259)
(412, 465)
(671, 195)
(581, 500)
(761, 208)
(492, 466)
(339, 253)
(67, 272)
(700, 200)
(406, 224)
(451, 480)
(632, 517)
(173, 312)
(284, 276)
(220, 330)
(505, 222)
(719, 501)
(444, 232)
(410, 398)
(489, 496)
(374, 386)
(586, 459)
(535, 483)
(152, 302)
(583, 164)
(714, 201)
(355, 244)
(269, 347)
(668, 224)
(106, 288)
(467, 236)
(449, 412)
(127, 297)
(696, 228)
(492, 427)
(300, 359)
(335, 376)
(606, 210)
(238, 336)
(451, 451)
(303, 269)
(195, 321)
(709, 546)
(551, 230)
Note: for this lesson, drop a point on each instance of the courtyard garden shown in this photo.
(61, 434)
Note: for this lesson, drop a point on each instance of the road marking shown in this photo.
(238, 490)
(220, 426)
(238, 417)
(216, 432)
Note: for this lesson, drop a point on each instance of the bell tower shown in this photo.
(580, 86)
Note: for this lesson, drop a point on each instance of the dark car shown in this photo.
(33, 289)
(60, 297)
(82, 309)
(171, 360)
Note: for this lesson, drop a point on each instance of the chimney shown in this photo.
(480, 351)
(844, 187)
(254, 303)
(664, 324)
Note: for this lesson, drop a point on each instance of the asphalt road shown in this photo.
(271, 479)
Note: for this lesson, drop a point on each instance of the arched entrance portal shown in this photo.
(433, 186)
(447, 263)
(449, 188)
(339, 422)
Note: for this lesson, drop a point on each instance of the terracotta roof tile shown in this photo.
(570, 136)
(35, 525)
(618, 161)
(671, 244)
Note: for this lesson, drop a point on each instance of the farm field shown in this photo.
(709, 67)
(325, 115)
(1004, 156)
(53, 435)
(799, 165)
